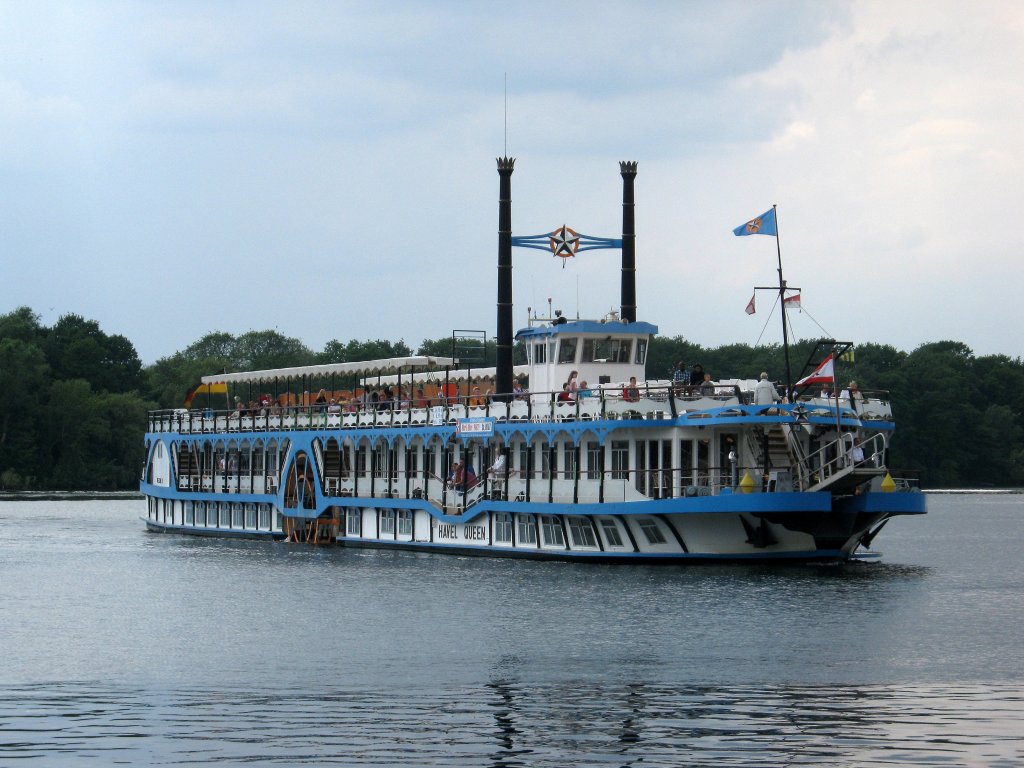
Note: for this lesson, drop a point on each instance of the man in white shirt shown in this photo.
(765, 392)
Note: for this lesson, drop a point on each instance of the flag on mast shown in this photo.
(759, 225)
(750, 306)
(823, 374)
(792, 302)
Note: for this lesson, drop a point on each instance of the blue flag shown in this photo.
(760, 225)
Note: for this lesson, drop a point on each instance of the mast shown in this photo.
(782, 303)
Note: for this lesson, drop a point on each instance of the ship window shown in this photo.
(620, 459)
(607, 350)
(250, 516)
(595, 460)
(641, 351)
(159, 450)
(189, 514)
(651, 531)
(387, 522)
(225, 515)
(236, 515)
(551, 531)
(525, 465)
(569, 462)
(352, 520)
(567, 351)
(404, 522)
(611, 533)
(581, 533)
(503, 527)
(265, 517)
(527, 530)
(539, 350)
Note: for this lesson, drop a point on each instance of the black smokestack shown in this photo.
(503, 371)
(628, 171)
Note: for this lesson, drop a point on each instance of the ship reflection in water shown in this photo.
(502, 723)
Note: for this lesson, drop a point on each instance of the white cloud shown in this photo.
(329, 169)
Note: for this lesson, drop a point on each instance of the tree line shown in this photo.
(74, 399)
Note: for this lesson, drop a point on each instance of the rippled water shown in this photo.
(124, 646)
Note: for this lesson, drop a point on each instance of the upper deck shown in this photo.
(657, 401)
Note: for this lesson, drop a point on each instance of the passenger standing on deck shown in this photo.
(856, 398)
(571, 383)
(679, 379)
(697, 375)
(765, 392)
(630, 392)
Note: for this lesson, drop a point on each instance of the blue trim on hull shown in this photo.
(876, 502)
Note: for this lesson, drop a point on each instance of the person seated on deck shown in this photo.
(707, 387)
(517, 390)
(565, 396)
(321, 400)
(333, 407)
(455, 475)
(476, 400)
(584, 391)
(420, 400)
(630, 392)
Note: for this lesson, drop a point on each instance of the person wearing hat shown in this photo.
(765, 392)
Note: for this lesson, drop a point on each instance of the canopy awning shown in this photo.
(462, 374)
(384, 366)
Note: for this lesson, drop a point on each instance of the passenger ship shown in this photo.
(622, 471)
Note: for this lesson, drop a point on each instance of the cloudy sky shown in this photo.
(328, 169)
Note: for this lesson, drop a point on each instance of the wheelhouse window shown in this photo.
(540, 352)
(641, 352)
(527, 529)
(551, 531)
(651, 531)
(503, 528)
(581, 533)
(607, 350)
(567, 350)
(611, 532)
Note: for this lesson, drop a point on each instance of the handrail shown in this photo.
(825, 468)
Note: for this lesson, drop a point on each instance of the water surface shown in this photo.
(121, 645)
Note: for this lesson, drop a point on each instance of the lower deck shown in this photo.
(659, 536)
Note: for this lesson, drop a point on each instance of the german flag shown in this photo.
(217, 388)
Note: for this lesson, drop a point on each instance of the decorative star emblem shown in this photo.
(564, 242)
(752, 226)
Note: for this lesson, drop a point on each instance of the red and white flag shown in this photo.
(823, 374)
(750, 306)
(792, 302)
